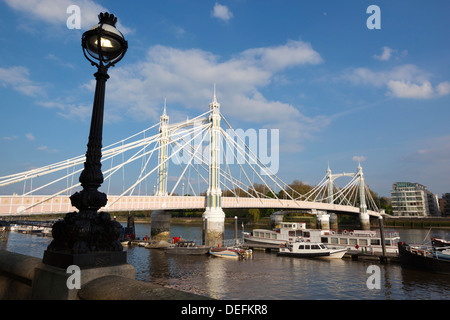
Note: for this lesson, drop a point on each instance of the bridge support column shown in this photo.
(160, 225)
(276, 219)
(363, 215)
(333, 221)
(214, 226)
(364, 219)
(323, 220)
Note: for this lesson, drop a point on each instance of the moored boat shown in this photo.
(187, 247)
(231, 253)
(433, 259)
(310, 250)
(436, 242)
(364, 241)
(287, 231)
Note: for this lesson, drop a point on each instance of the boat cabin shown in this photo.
(285, 231)
(306, 246)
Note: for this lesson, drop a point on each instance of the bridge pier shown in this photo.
(160, 225)
(276, 218)
(213, 226)
(323, 220)
(364, 219)
(333, 221)
(214, 217)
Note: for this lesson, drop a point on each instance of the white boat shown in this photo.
(310, 250)
(364, 241)
(230, 253)
(286, 232)
(15, 227)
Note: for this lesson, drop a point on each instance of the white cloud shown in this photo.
(55, 12)
(389, 54)
(406, 89)
(186, 78)
(359, 158)
(18, 78)
(68, 109)
(385, 55)
(443, 88)
(405, 81)
(277, 58)
(221, 12)
(10, 138)
(30, 136)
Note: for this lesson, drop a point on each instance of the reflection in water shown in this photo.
(215, 276)
(265, 275)
(431, 286)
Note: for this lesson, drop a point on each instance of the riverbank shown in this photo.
(417, 222)
(389, 221)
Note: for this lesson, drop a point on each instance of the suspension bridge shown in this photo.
(212, 165)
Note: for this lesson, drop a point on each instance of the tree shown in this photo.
(253, 215)
(386, 204)
(296, 188)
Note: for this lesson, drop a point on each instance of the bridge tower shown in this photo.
(214, 216)
(163, 153)
(363, 214)
(160, 226)
(332, 218)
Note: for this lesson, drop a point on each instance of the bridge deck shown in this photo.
(28, 205)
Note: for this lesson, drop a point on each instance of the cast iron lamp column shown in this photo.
(88, 233)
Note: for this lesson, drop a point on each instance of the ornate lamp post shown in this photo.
(87, 238)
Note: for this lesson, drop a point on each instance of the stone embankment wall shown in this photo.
(18, 273)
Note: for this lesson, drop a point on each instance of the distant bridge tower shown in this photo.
(160, 226)
(214, 215)
(332, 218)
(363, 214)
(163, 154)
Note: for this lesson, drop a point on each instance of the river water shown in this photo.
(266, 276)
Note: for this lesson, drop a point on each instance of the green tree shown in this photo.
(253, 215)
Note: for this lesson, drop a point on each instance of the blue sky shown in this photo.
(338, 92)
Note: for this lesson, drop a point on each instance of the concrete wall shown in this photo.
(16, 275)
(18, 272)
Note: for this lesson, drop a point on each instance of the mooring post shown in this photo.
(235, 230)
(205, 231)
(383, 243)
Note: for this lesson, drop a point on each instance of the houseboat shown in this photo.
(286, 232)
(365, 241)
(426, 258)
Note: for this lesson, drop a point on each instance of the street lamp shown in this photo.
(87, 238)
(103, 44)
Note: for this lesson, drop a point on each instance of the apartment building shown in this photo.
(413, 199)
